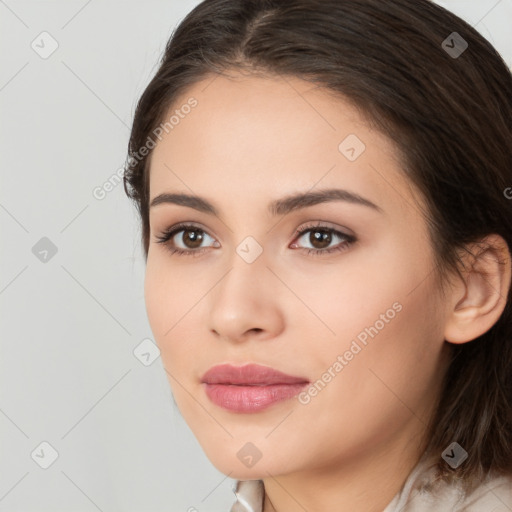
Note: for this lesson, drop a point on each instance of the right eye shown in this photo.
(194, 235)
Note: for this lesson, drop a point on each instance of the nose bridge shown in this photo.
(243, 299)
(247, 271)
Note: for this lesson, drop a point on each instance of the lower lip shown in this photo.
(250, 398)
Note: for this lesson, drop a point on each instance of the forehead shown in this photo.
(251, 137)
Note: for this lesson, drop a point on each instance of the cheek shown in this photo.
(164, 295)
(386, 324)
(172, 297)
(376, 290)
(387, 383)
(155, 298)
(390, 347)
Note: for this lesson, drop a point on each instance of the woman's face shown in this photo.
(363, 324)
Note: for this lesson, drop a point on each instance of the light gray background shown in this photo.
(70, 324)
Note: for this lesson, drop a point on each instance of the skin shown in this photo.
(251, 140)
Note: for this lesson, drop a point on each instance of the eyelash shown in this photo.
(166, 236)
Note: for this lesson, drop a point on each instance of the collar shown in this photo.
(249, 496)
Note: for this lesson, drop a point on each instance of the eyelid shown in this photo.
(303, 225)
(325, 224)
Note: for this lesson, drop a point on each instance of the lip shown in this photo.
(249, 388)
(248, 375)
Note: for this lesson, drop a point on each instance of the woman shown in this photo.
(322, 187)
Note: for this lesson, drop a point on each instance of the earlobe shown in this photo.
(479, 300)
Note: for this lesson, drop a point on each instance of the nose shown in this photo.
(244, 304)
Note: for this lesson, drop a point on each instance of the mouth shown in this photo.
(250, 388)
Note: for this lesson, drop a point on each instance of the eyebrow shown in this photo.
(277, 207)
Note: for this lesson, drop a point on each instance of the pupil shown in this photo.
(321, 236)
(196, 239)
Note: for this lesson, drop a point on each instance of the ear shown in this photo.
(478, 300)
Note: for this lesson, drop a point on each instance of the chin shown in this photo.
(236, 472)
(240, 466)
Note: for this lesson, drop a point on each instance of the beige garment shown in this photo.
(416, 495)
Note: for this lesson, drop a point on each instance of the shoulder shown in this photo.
(494, 494)
(422, 494)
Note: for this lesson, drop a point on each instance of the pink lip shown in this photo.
(248, 375)
(249, 388)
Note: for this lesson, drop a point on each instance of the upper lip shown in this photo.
(250, 374)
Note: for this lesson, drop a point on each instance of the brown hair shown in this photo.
(450, 117)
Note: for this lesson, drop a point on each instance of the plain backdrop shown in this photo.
(86, 422)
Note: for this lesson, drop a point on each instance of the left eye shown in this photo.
(321, 235)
